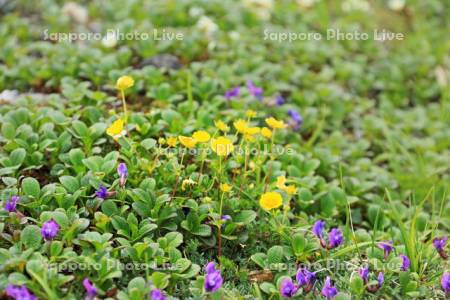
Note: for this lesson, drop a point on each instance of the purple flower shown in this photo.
(157, 294)
(405, 262)
(225, 218)
(364, 273)
(328, 290)
(210, 267)
(19, 293)
(335, 238)
(102, 192)
(257, 92)
(11, 204)
(213, 281)
(213, 278)
(49, 230)
(305, 277)
(91, 291)
(439, 244)
(318, 228)
(380, 279)
(279, 100)
(296, 119)
(233, 92)
(387, 248)
(445, 282)
(123, 173)
(288, 288)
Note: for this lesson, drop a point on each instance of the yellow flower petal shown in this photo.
(250, 113)
(188, 142)
(201, 136)
(222, 146)
(221, 126)
(291, 189)
(275, 124)
(253, 130)
(241, 126)
(266, 132)
(281, 181)
(270, 200)
(124, 82)
(172, 141)
(224, 187)
(116, 128)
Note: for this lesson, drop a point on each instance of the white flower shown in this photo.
(109, 40)
(206, 25)
(76, 12)
(396, 5)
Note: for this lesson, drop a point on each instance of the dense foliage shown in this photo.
(216, 158)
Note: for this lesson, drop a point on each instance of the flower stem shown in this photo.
(219, 229)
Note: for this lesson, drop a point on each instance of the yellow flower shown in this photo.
(172, 141)
(249, 137)
(250, 113)
(161, 141)
(116, 129)
(124, 82)
(188, 142)
(270, 200)
(252, 130)
(241, 126)
(281, 184)
(275, 124)
(266, 132)
(291, 189)
(222, 146)
(201, 136)
(281, 180)
(221, 126)
(224, 187)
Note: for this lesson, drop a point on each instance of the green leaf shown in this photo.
(31, 187)
(357, 285)
(174, 239)
(298, 243)
(268, 288)
(260, 259)
(76, 156)
(8, 131)
(148, 143)
(160, 280)
(56, 248)
(70, 183)
(342, 296)
(80, 128)
(245, 216)
(202, 230)
(31, 236)
(17, 156)
(275, 255)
